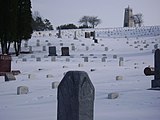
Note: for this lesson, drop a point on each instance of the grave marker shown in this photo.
(5, 63)
(9, 77)
(52, 51)
(85, 59)
(156, 81)
(65, 51)
(75, 36)
(22, 90)
(59, 33)
(75, 97)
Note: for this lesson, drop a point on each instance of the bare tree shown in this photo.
(138, 19)
(94, 21)
(84, 20)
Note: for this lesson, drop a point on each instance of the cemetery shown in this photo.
(67, 75)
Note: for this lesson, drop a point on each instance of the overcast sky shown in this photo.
(111, 12)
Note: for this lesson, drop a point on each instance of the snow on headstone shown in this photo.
(121, 61)
(31, 76)
(22, 90)
(119, 77)
(9, 77)
(75, 97)
(49, 76)
(113, 95)
(55, 85)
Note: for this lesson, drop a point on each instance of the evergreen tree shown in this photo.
(8, 11)
(24, 20)
(48, 25)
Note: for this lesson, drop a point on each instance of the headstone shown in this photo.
(85, 59)
(119, 77)
(121, 61)
(73, 48)
(45, 56)
(48, 44)
(61, 44)
(156, 81)
(22, 90)
(75, 97)
(30, 49)
(59, 33)
(67, 60)
(55, 85)
(114, 56)
(103, 59)
(49, 76)
(65, 51)
(5, 63)
(38, 43)
(31, 76)
(26, 44)
(38, 59)
(33, 56)
(44, 48)
(87, 48)
(75, 36)
(156, 46)
(94, 36)
(113, 95)
(52, 51)
(80, 65)
(9, 77)
(87, 35)
(95, 41)
(53, 58)
(106, 48)
(24, 59)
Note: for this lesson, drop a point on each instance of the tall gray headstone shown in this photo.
(75, 36)
(52, 51)
(59, 33)
(75, 97)
(156, 81)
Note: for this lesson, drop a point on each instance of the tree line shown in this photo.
(15, 24)
(85, 22)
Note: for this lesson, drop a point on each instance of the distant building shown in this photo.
(128, 20)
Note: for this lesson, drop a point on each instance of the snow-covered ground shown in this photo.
(135, 102)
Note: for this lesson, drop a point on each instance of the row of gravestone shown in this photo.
(130, 32)
(25, 90)
(86, 59)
